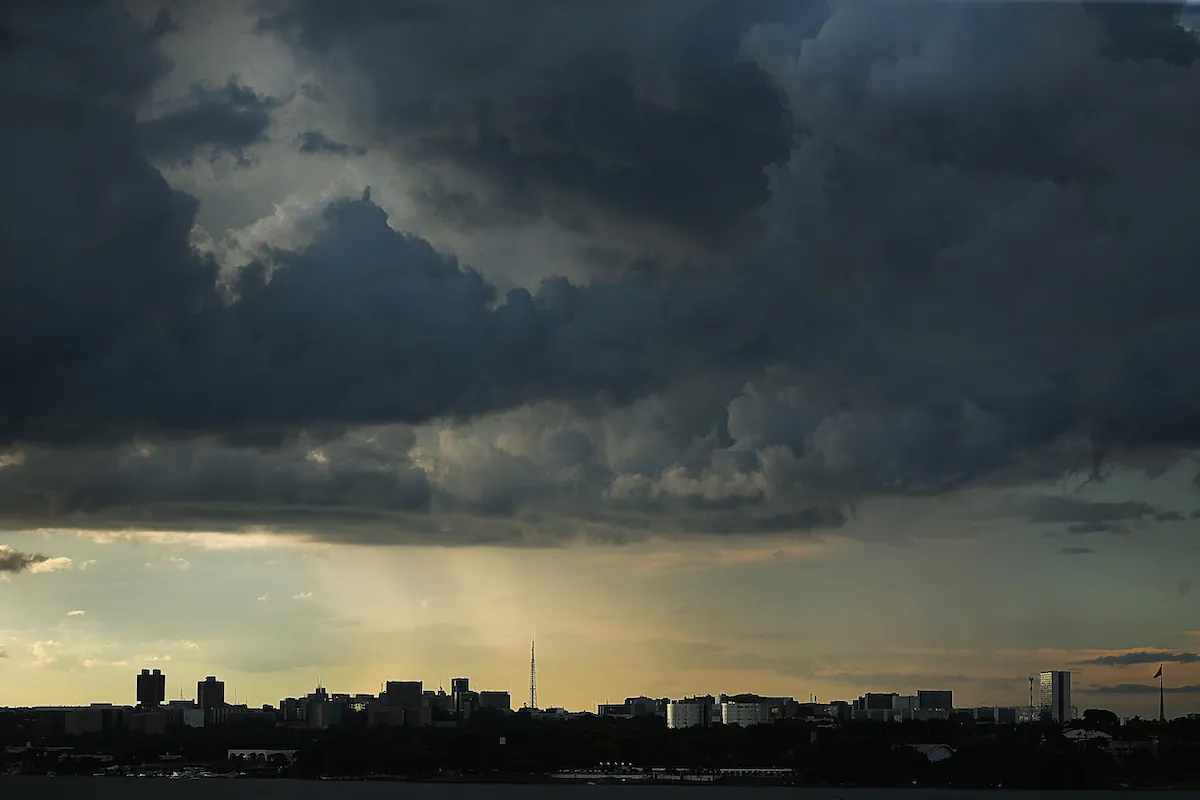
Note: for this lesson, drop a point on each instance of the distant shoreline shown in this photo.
(547, 780)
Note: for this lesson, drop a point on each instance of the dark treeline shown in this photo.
(859, 754)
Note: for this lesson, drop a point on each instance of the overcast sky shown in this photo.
(732, 345)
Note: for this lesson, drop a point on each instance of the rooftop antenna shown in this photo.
(532, 672)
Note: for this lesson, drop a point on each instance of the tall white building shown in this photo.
(1054, 696)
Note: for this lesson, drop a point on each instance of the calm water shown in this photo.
(154, 789)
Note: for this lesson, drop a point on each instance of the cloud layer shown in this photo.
(865, 250)
(1144, 657)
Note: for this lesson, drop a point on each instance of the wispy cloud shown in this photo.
(94, 663)
(77, 612)
(45, 653)
(84, 565)
(697, 558)
(302, 596)
(170, 562)
(262, 598)
(51, 565)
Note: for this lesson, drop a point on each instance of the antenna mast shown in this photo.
(532, 673)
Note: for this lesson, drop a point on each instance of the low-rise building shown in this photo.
(745, 714)
(615, 710)
(96, 718)
(684, 714)
(495, 700)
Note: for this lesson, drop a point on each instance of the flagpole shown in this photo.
(1162, 707)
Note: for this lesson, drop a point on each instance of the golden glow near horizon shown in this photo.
(832, 616)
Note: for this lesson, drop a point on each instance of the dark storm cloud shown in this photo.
(212, 121)
(582, 109)
(12, 561)
(364, 325)
(1076, 551)
(315, 142)
(1139, 658)
(978, 246)
(1139, 688)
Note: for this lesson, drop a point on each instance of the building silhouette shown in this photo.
(210, 699)
(498, 701)
(935, 700)
(403, 694)
(151, 688)
(210, 693)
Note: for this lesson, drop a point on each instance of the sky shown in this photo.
(730, 345)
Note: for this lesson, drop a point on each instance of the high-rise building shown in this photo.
(459, 687)
(935, 700)
(210, 693)
(151, 688)
(1055, 696)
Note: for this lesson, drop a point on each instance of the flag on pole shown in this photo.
(1159, 673)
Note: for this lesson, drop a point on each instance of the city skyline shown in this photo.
(1052, 694)
(412, 703)
(737, 345)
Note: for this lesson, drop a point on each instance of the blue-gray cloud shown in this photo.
(1139, 688)
(213, 120)
(1144, 657)
(1076, 551)
(316, 142)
